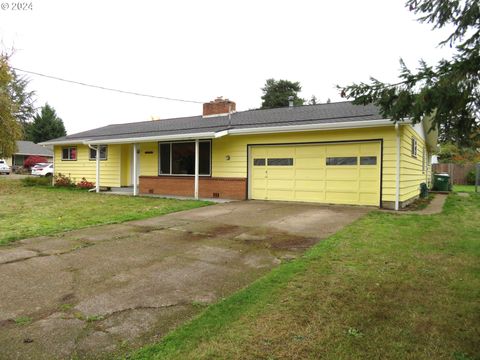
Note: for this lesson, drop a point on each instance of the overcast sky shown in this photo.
(198, 50)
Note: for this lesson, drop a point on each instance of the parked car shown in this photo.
(43, 170)
(4, 168)
(38, 166)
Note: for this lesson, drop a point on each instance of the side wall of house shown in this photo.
(414, 170)
(84, 167)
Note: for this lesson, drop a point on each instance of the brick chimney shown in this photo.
(218, 107)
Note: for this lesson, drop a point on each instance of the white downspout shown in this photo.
(397, 173)
(197, 166)
(97, 169)
(53, 158)
(135, 175)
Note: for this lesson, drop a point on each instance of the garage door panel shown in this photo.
(309, 185)
(342, 174)
(309, 150)
(367, 148)
(370, 187)
(280, 195)
(369, 174)
(342, 150)
(341, 197)
(309, 163)
(312, 174)
(342, 185)
(307, 177)
(281, 184)
(313, 196)
(368, 199)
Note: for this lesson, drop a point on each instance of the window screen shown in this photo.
(280, 162)
(368, 160)
(349, 160)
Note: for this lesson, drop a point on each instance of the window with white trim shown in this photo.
(103, 153)
(414, 147)
(178, 158)
(69, 153)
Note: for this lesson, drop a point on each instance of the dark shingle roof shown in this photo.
(30, 148)
(301, 115)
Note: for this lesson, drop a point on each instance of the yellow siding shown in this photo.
(149, 159)
(236, 148)
(411, 172)
(83, 167)
(126, 174)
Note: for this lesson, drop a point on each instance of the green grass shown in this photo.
(464, 188)
(23, 320)
(28, 211)
(386, 287)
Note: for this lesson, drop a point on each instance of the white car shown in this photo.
(4, 168)
(43, 169)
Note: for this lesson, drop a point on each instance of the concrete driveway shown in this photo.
(107, 289)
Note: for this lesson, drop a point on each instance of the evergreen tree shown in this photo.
(46, 125)
(276, 93)
(448, 92)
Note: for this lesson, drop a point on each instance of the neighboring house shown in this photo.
(336, 153)
(28, 148)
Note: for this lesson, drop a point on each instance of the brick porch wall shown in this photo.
(223, 188)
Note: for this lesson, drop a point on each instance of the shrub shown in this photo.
(32, 160)
(84, 184)
(471, 177)
(37, 181)
(63, 181)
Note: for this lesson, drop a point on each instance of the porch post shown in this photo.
(135, 175)
(197, 161)
(97, 159)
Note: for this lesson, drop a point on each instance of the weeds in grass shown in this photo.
(354, 333)
(93, 318)
(23, 320)
(65, 307)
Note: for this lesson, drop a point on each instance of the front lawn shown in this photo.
(386, 287)
(34, 211)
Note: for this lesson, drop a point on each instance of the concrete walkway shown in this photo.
(434, 207)
(98, 291)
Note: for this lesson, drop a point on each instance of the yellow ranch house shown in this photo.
(335, 153)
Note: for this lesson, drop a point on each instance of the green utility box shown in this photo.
(441, 182)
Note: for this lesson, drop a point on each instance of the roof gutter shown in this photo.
(312, 127)
(131, 140)
(207, 135)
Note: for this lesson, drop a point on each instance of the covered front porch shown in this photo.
(180, 168)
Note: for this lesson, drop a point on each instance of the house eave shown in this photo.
(312, 127)
(222, 133)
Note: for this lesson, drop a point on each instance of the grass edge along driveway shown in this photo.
(388, 286)
(30, 211)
